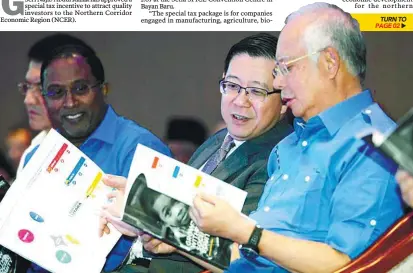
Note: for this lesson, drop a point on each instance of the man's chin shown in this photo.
(75, 133)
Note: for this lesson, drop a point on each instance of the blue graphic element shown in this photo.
(36, 217)
(76, 169)
(176, 172)
(63, 257)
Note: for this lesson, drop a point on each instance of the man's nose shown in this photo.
(31, 98)
(69, 100)
(242, 99)
(279, 82)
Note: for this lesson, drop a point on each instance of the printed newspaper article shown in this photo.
(146, 15)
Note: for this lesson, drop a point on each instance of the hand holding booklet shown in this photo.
(51, 213)
(158, 196)
(397, 144)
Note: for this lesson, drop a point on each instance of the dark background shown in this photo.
(155, 75)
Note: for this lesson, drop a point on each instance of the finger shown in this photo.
(408, 197)
(405, 180)
(106, 230)
(112, 194)
(202, 206)
(103, 228)
(209, 198)
(109, 209)
(152, 245)
(146, 238)
(400, 174)
(403, 176)
(193, 213)
(118, 182)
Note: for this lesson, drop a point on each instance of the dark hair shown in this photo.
(142, 198)
(148, 198)
(41, 50)
(257, 45)
(186, 128)
(68, 51)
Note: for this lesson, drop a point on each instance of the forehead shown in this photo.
(33, 72)
(68, 69)
(290, 43)
(249, 69)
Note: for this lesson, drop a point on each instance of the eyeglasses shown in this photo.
(25, 87)
(58, 92)
(283, 67)
(253, 93)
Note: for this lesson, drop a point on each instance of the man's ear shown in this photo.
(223, 74)
(331, 61)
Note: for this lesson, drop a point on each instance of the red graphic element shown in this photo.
(26, 236)
(57, 157)
(155, 162)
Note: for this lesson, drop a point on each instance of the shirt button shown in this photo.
(307, 178)
(285, 176)
(368, 111)
(373, 223)
(304, 143)
(267, 209)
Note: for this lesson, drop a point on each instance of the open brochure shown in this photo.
(50, 215)
(159, 194)
(398, 143)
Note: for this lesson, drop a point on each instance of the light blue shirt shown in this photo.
(327, 185)
(112, 146)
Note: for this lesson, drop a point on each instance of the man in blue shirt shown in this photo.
(329, 195)
(74, 89)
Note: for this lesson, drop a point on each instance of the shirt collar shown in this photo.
(107, 128)
(336, 116)
(236, 142)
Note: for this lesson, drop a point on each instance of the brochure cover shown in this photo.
(54, 206)
(160, 192)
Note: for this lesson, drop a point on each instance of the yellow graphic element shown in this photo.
(94, 184)
(198, 181)
(385, 22)
(211, 244)
(72, 240)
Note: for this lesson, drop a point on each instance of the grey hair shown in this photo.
(341, 32)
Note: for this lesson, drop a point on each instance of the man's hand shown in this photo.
(216, 217)
(118, 183)
(156, 246)
(406, 185)
(117, 223)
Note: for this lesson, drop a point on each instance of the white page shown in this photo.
(37, 219)
(178, 180)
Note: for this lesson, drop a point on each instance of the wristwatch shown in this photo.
(250, 250)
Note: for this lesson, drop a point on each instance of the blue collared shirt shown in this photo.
(327, 185)
(112, 146)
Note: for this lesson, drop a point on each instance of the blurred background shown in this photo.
(155, 76)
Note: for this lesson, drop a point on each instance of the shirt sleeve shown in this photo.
(365, 202)
(121, 250)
